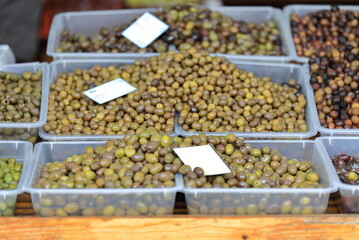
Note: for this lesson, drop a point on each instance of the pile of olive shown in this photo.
(126, 204)
(107, 40)
(30, 135)
(237, 101)
(10, 173)
(330, 39)
(250, 167)
(211, 94)
(145, 160)
(234, 203)
(7, 205)
(218, 33)
(20, 97)
(189, 26)
(347, 168)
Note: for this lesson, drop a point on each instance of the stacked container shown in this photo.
(21, 151)
(6, 55)
(91, 21)
(302, 10)
(92, 202)
(27, 131)
(121, 202)
(334, 141)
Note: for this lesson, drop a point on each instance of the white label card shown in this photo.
(145, 30)
(204, 157)
(109, 91)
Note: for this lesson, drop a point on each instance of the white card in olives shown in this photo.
(204, 157)
(109, 91)
(145, 30)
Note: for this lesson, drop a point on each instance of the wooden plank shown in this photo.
(260, 227)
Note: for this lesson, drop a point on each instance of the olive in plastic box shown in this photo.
(21, 151)
(92, 202)
(63, 66)
(6, 55)
(303, 10)
(331, 147)
(279, 73)
(27, 131)
(253, 201)
(90, 22)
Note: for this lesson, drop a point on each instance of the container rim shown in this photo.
(330, 188)
(179, 187)
(50, 50)
(287, 10)
(35, 156)
(178, 130)
(44, 94)
(25, 167)
(312, 131)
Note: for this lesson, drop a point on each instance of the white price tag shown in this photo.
(204, 157)
(109, 91)
(145, 30)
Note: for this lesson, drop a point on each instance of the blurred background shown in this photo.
(25, 24)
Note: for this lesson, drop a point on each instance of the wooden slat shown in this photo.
(269, 227)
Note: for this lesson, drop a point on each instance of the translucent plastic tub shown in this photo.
(303, 10)
(252, 201)
(62, 66)
(92, 202)
(21, 151)
(331, 147)
(90, 22)
(27, 131)
(6, 55)
(279, 73)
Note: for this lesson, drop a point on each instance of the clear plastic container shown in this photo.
(6, 55)
(27, 131)
(21, 151)
(252, 201)
(279, 73)
(331, 147)
(303, 10)
(90, 22)
(62, 66)
(92, 202)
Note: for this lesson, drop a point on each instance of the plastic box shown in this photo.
(21, 151)
(27, 131)
(90, 22)
(62, 66)
(92, 202)
(303, 10)
(6, 55)
(252, 201)
(332, 146)
(279, 73)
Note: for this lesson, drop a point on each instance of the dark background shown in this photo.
(281, 3)
(25, 24)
